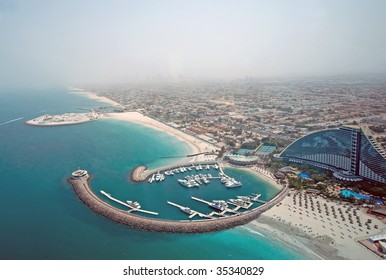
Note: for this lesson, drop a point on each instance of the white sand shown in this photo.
(197, 145)
(326, 236)
(94, 96)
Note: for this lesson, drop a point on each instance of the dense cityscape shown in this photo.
(243, 113)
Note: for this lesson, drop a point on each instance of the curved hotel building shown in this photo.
(347, 151)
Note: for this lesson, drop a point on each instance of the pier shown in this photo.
(127, 205)
(84, 192)
(222, 213)
(192, 212)
(201, 200)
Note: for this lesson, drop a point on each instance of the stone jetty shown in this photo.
(83, 190)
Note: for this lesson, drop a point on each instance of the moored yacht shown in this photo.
(218, 205)
(134, 204)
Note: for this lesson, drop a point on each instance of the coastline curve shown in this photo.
(84, 192)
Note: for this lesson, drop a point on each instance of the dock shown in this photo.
(132, 209)
(82, 189)
(201, 200)
(239, 206)
(192, 212)
(222, 213)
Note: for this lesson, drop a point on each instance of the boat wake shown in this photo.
(11, 121)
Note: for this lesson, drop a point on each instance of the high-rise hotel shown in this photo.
(349, 152)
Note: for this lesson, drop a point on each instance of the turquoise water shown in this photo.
(43, 219)
(348, 193)
(304, 175)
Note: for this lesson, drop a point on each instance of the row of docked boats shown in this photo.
(242, 201)
(183, 169)
(195, 180)
(229, 182)
(157, 177)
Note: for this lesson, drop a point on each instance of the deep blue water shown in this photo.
(41, 218)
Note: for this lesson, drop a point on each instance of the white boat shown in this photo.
(134, 204)
(224, 180)
(233, 184)
(187, 210)
(244, 198)
(158, 176)
(197, 179)
(218, 205)
(187, 183)
(152, 179)
(239, 202)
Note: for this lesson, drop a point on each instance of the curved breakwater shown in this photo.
(83, 191)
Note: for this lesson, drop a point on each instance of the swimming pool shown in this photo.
(348, 193)
(304, 175)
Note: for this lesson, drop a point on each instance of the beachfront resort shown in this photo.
(344, 221)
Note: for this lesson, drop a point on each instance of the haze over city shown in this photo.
(70, 42)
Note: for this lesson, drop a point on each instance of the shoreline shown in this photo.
(319, 235)
(196, 145)
(92, 95)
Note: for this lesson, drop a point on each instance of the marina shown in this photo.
(226, 217)
(193, 180)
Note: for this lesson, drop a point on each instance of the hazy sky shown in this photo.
(76, 41)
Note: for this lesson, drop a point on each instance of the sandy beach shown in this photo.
(324, 229)
(197, 145)
(93, 95)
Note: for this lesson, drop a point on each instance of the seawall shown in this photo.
(83, 190)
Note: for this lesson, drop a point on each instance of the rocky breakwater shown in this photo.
(83, 191)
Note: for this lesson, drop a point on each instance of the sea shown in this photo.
(41, 217)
